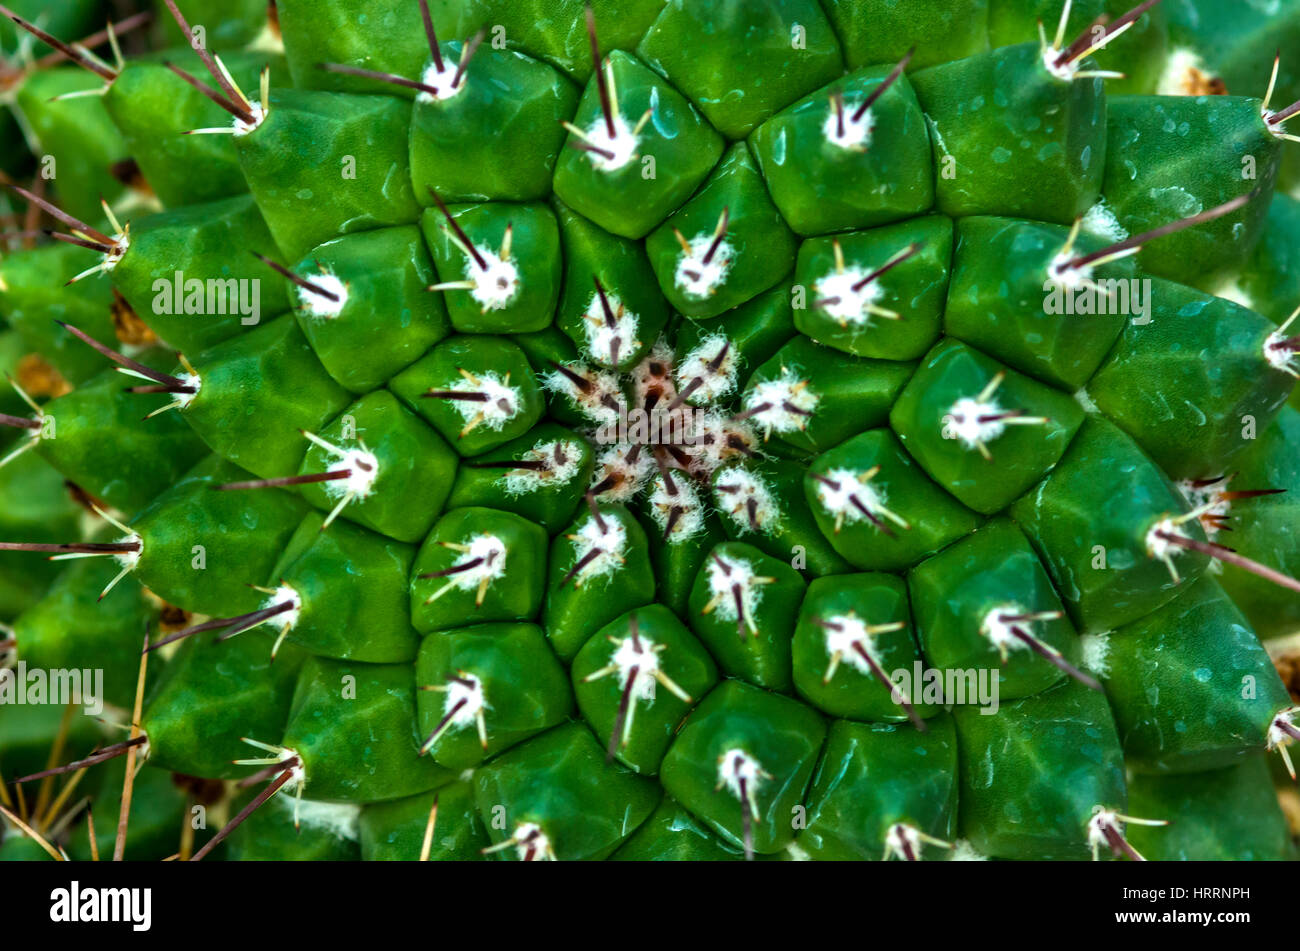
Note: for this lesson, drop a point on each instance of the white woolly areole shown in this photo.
(838, 499)
(725, 576)
(963, 851)
(690, 520)
(962, 422)
(842, 301)
(696, 364)
(1095, 652)
(1208, 499)
(843, 633)
(609, 542)
(734, 491)
(644, 659)
(999, 631)
(1280, 357)
(736, 765)
(1183, 74)
(129, 559)
(1103, 819)
(621, 145)
(242, 128)
(629, 476)
(699, 279)
(496, 285)
(318, 305)
(1277, 733)
(116, 251)
(503, 400)
(364, 468)
(1101, 222)
(287, 620)
(601, 336)
(562, 457)
(494, 553)
(592, 404)
(779, 395)
(903, 841)
(189, 380)
(1065, 71)
(463, 701)
(441, 82)
(856, 134)
(339, 819)
(1062, 274)
(1159, 548)
(532, 844)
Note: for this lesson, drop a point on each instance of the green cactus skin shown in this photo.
(409, 574)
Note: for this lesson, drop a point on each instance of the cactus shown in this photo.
(652, 429)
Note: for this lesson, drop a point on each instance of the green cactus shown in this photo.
(657, 429)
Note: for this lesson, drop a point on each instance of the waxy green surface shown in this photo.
(514, 594)
(560, 781)
(873, 775)
(882, 31)
(1170, 157)
(1200, 829)
(1190, 685)
(210, 694)
(549, 500)
(414, 462)
(534, 253)
(1089, 520)
(525, 688)
(1012, 139)
(202, 547)
(394, 831)
(627, 200)
(756, 249)
(850, 392)
(853, 690)
(1216, 386)
(755, 648)
(623, 269)
(354, 728)
(258, 391)
(821, 185)
(915, 289)
(444, 367)
(208, 243)
(523, 101)
(353, 587)
(1032, 773)
(142, 460)
(387, 273)
(312, 164)
(681, 658)
(783, 735)
(956, 591)
(1265, 529)
(1018, 457)
(1000, 300)
(576, 609)
(72, 629)
(934, 518)
(740, 61)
